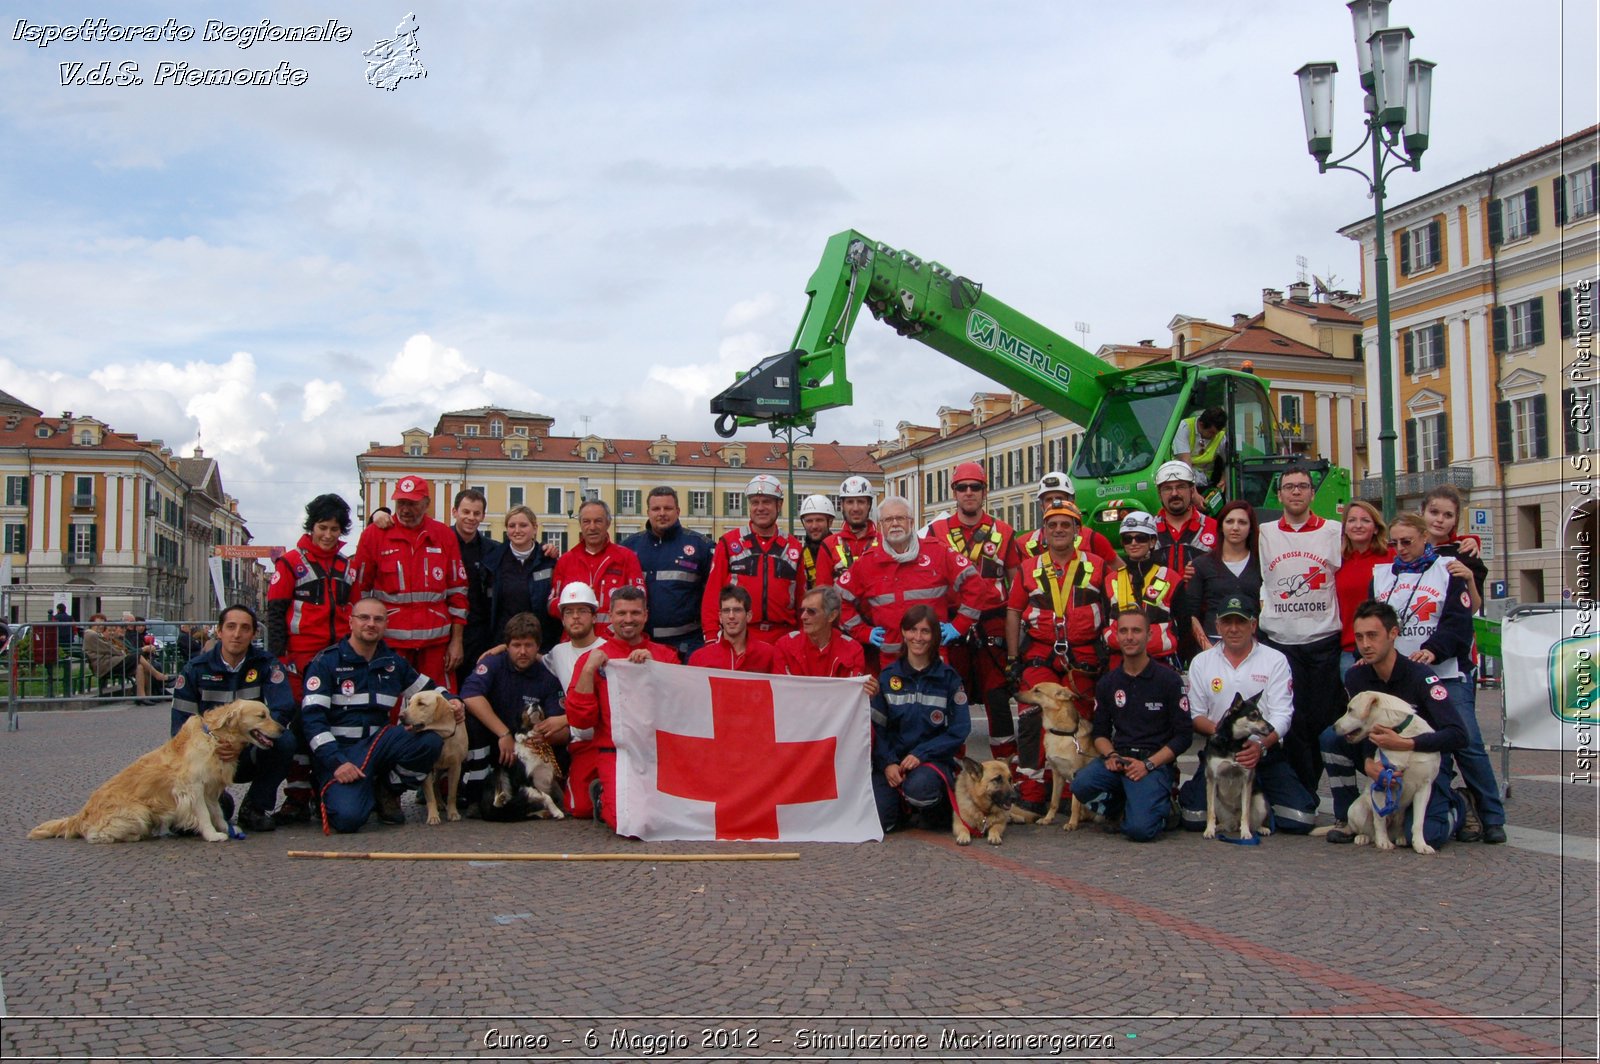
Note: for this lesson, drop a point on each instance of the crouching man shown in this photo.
(1141, 725)
(1382, 668)
(354, 693)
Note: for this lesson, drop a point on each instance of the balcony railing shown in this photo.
(77, 559)
(83, 501)
(1290, 434)
(1410, 484)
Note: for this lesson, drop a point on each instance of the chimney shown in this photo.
(1271, 295)
(1147, 343)
(372, 445)
(199, 452)
(1300, 292)
(1240, 320)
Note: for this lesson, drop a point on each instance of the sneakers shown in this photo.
(291, 812)
(1471, 829)
(596, 791)
(1174, 815)
(389, 811)
(226, 801)
(1341, 836)
(1494, 834)
(253, 819)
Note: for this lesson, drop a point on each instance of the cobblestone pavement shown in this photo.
(1090, 946)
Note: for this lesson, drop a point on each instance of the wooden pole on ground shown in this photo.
(339, 855)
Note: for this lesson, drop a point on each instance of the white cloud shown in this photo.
(320, 397)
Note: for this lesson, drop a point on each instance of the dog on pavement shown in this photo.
(1067, 746)
(431, 711)
(1230, 787)
(984, 795)
(177, 786)
(1416, 771)
(527, 786)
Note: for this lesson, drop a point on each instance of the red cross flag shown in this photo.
(714, 754)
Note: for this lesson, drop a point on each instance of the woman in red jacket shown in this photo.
(1366, 545)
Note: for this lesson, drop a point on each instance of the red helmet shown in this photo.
(967, 471)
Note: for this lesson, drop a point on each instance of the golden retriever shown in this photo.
(1067, 745)
(431, 711)
(174, 787)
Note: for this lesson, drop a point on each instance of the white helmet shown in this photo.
(1175, 470)
(764, 484)
(1054, 482)
(579, 594)
(817, 504)
(855, 488)
(1139, 521)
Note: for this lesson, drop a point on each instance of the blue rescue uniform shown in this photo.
(923, 713)
(510, 692)
(348, 708)
(1138, 715)
(207, 682)
(676, 567)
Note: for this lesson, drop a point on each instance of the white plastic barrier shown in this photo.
(1550, 653)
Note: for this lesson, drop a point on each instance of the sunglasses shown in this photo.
(1136, 537)
(1404, 542)
(968, 486)
(809, 611)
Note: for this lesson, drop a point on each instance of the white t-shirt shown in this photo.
(562, 660)
(1299, 597)
(1213, 681)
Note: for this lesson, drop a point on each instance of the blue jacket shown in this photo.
(539, 582)
(676, 567)
(206, 683)
(349, 699)
(922, 713)
(1418, 686)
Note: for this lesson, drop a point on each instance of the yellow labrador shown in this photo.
(431, 711)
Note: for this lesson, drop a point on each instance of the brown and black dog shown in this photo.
(984, 795)
(1067, 746)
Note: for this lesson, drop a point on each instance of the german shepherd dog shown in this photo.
(984, 794)
(1067, 747)
(1230, 787)
(527, 786)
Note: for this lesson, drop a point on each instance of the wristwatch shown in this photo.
(1259, 740)
(1149, 766)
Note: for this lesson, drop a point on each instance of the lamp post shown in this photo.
(1399, 96)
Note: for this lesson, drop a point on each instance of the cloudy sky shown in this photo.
(602, 208)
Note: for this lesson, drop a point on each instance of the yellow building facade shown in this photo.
(1491, 308)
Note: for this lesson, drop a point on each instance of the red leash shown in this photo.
(322, 795)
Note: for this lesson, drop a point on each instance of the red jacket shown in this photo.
(770, 570)
(877, 591)
(308, 602)
(841, 657)
(1199, 534)
(418, 573)
(593, 710)
(1083, 606)
(615, 566)
(757, 657)
(1032, 544)
(991, 547)
(840, 551)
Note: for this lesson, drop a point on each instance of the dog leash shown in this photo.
(322, 795)
(1388, 782)
(955, 807)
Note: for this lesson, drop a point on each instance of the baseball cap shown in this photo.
(1237, 606)
(1175, 470)
(411, 488)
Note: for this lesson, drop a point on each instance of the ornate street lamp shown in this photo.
(1399, 94)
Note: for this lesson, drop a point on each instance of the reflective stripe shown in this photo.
(384, 700)
(475, 775)
(1296, 815)
(316, 700)
(421, 683)
(346, 732)
(602, 618)
(907, 698)
(880, 600)
(676, 630)
(915, 593)
(582, 735)
(401, 598)
(1194, 816)
(253, 693)
(458, 612)
(673, 574)
(360, 698)
(415, 634)
(321, 739)
(879, 719)
(969, 611)
(1331, 758)
(413, 776)
(184, 708)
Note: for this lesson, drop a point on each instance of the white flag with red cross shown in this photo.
(711, 754)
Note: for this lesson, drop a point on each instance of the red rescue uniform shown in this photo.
(308, 606)
(877, 591)
(770, 569)
(841, 549)
(1032, 544)
(991, 547)
(612, 567)
(841, 657)
(1151, 585)
(756, 657)
(417, 573)
(598, 758)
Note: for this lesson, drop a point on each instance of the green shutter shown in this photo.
(1558, 191)
(1537, 320)
(1411, 445)
(1496, 225)
(1438, 344)
(1564, 307)
(1409, 345)
(1444, 440)
(1499, 318)
(1531, 197)
(1405, 253)
(1434, 242)
(1541, 427)
(1502, 429)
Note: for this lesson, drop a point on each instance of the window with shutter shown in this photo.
(1408, 343)
(1523, 325)
(1519, 216)
(1411, 445)
(1531, 210)
(1497, 234)
(1564, 311)
(1541, 427)
(1502, 429)
(1529, 429)
(1501, 329)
